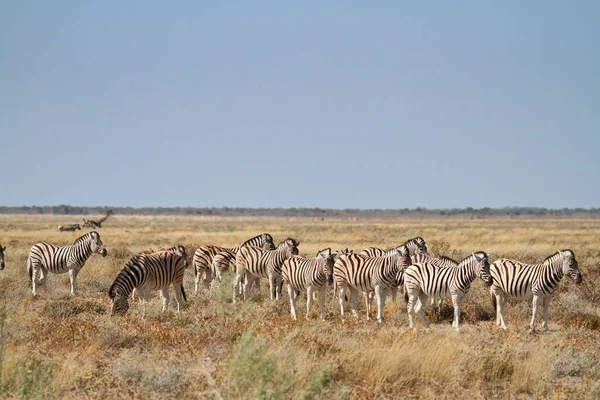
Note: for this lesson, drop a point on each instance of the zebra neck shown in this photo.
(470, 267)
(83, 250)
(555, 269)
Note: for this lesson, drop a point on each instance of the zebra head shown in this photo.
(96, 244)
(2, 257)
(291, 244)
(570, 266)
(120, 305)
(180, 251)
(416, 245)
(267, 241)
(481, 258)
(404, 260)
(328, 260)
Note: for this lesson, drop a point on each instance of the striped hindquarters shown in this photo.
(300, 272)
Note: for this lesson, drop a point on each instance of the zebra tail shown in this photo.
(405, 296)
(183, 293)
(195, 269)
(493, 298)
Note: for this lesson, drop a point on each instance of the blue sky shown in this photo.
(314, 104)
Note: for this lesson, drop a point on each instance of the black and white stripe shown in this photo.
(253, 263)
(146, 272)
(45, 258)
(203, 257)
(225, 260)
(310, 274)
(2, 249)
(517, 280)
(427, 279)
(368, 274)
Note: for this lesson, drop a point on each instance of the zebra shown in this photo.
(203, 256)
(300, 273)
(145, 272)
(45, 257)
(416, 247)
(90, 223)
(442, 262)
(517, 280)
(69, 228)
(360, 272)
(2, 250)
(253, 263)
(226, 259)
(426, 279)
(180, 250)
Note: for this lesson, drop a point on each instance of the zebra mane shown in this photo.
(85, 237)
(416, 240)
(249, 241)
(557, 255)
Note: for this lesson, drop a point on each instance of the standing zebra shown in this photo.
(360, 272)
(226, 259)
(69, 228)
(300, 273)
(45, 257)
(517, 280)
(204, 255)
(145, 272)
(2, 249)
(426, 279)
(253, 263)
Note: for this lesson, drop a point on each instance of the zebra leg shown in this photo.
(546, 308)
(410, 308)
(309, 296)
(72, 277)
(207, 278)
(368, 300)
(353, 295)
(179, 295)
(292, 294)
(342, 296)
(44, 277)
(272, 287)
(236, 282)
(456, 305)
(164, 294)
(380, 294)
(394, 292)
(536, 300)
(196, 278)
(34, 271)
(321, 300)
(419, 310)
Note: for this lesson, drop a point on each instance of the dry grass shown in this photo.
(59, 346)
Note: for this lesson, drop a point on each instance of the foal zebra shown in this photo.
(300, 273)
(204, 255)
(145, 272)
(253, 263)
(514, 279)
(427, 279)
(2, 249)
(69, 228)
(45, 257)
(359, 272)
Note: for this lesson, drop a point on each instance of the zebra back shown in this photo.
(415, 246)
(226, 259)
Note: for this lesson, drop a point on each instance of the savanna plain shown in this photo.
(61, 346)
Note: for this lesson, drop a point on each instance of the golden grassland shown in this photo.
(61, 346)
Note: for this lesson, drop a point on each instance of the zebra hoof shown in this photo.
(380, 320)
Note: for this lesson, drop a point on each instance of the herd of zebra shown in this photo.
(373, 271)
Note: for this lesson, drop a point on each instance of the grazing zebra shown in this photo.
(146, 272)
(300, 273)
(204, 255)
(90, 223)
(180, 250)
(45, 258)
(69, 228)
(2, 249)
(514, 279)
(253, 263)
(426, 279)
(359, 272)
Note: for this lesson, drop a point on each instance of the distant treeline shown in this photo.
(312, 212)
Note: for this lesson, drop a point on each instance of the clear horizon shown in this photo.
(267, 105)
